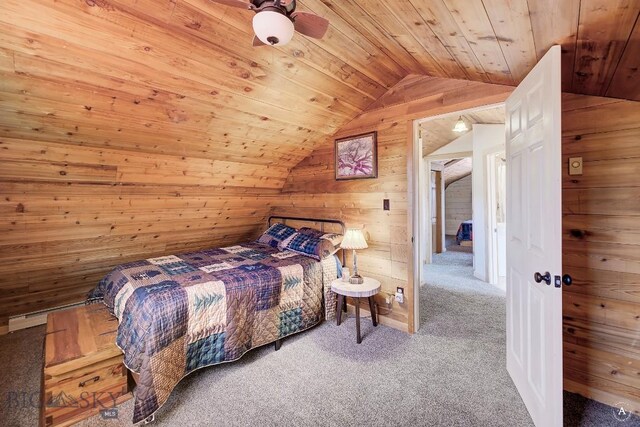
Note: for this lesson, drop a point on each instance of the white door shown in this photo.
(534, 310)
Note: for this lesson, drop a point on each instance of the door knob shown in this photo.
(539, 277)
(567, 280)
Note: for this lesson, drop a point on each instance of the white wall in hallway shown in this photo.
(463, 144)
(486, 139)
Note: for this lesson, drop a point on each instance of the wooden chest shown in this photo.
(83, 368)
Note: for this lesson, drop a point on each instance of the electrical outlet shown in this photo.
(400, 295)
(385, 204)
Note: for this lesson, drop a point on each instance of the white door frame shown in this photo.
(427, 257)
(491, 252)
(420, 204)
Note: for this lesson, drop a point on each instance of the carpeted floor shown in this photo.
(451, 373)
(453, 246)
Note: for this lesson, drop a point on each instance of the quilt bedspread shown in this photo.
(179, 313)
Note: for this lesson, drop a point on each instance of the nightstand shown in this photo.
(368, 289)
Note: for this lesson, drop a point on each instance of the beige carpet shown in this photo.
(451, 373)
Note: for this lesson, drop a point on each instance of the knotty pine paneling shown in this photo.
(311, 189)
(135, 129)
(71, 213)
(601, 249)
(457, 199)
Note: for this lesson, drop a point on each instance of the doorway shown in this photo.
(465, 194)
(451, 211)
(533, 328)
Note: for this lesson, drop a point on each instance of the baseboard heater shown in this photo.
(36, 318)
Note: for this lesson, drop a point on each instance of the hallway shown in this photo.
(456, 305)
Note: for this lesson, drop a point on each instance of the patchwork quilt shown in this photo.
(179, 313)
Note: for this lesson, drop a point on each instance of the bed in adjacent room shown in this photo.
(464, 236)
(179, 313)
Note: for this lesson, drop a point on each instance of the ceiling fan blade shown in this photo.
(257, 42)
(310, 24)
(235, 3)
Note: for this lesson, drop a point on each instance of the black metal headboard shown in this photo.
(284, 219)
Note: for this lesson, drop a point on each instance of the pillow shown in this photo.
(335, 238)
(276, 234)
(311, 232)
(311, 245)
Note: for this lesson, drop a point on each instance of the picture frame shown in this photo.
(356, 157)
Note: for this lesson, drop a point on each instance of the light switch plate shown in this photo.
(575, 165)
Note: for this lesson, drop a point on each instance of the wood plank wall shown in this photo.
(71, 213)
(601, 220)
(311, 189)
(601, 246)
(457, 198)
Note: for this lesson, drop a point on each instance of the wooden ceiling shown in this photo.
(180, 77)
(456, 169)
(439, 132)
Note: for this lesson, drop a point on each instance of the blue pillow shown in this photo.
(311, 245)
(276, 234)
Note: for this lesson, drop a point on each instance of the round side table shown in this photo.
(368, 289)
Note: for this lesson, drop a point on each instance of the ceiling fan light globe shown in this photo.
(273, 28)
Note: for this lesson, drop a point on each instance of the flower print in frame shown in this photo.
(357, 157)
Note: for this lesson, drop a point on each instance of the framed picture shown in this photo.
(357, 156)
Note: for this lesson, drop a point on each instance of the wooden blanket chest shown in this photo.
(83, 368)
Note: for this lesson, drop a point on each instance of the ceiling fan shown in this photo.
(276, 20)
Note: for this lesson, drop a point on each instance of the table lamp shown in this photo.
(354, 239)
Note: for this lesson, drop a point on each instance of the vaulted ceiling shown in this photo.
(439, 132)
(456, 169)
(180, 77)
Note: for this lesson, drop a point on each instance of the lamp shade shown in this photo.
(460, 126)
(273, 28)
(354, 239)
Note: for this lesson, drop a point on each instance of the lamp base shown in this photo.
(356, 279)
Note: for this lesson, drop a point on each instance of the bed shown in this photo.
(180, 313)
(464, 236)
